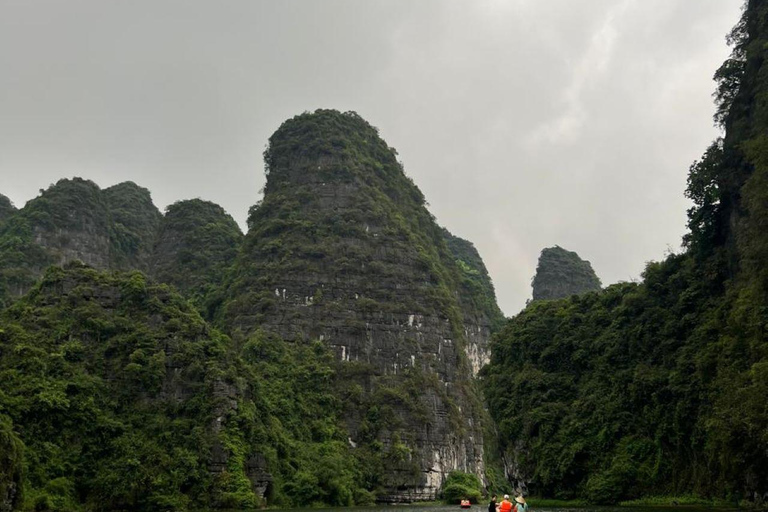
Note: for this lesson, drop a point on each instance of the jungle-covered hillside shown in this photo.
(659, 387)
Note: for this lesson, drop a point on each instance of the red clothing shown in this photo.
(505, 506)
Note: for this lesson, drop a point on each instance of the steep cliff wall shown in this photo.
(117, 389)
(563, 273)
(342, 249)
(118, 228)
(477, 298)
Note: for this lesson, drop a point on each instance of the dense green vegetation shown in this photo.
(6, 208)
(462, 486)
(659, 388)
(107, 382)
(476, 287)
(296, 420)
(11, 466)
(561, 273)
(134, 223)
(196, 244)
(110, 390)
(74, 219)
(116, 394)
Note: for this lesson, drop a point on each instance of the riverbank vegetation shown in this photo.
(659, 386)
(462, 486)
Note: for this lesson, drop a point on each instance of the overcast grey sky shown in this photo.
(526, 123)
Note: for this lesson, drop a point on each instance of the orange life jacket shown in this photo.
(505, 506)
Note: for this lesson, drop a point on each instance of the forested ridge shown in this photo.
(158, 361)
(113, 395)
(659, 387)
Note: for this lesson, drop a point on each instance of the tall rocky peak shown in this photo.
(342, 249)
(197, 242)
(562, 273)
(71, 219)
(118, 228)
(74, 220)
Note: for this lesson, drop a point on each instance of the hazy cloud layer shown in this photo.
(525, 123)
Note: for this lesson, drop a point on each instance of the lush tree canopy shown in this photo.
(659, 387)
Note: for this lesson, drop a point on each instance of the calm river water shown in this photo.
(484, 508)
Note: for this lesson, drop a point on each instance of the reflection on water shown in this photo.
(484, 508)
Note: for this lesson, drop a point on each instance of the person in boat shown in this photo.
(492, 504)
(506, 505)
(520, 504)
(465, 503)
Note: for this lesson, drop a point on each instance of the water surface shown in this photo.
(484, 508)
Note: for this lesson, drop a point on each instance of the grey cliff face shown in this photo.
(76, 225)
(342, 249)
(561, 273)
(74, 220)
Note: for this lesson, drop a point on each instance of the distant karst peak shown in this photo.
(562, 273)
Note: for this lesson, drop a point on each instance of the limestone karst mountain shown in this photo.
(562, 273)
(75, 220)
(342, 249)
(345, 330)
(118, 228)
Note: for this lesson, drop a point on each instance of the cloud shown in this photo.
(525, 123)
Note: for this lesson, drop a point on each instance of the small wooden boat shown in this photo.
(466, 504)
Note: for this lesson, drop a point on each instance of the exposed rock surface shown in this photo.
(76, 220)
(563, 273)
(342, 249)
(477, 298)
(118, 228)
(71, 220)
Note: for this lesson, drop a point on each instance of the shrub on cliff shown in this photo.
(462, 486)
